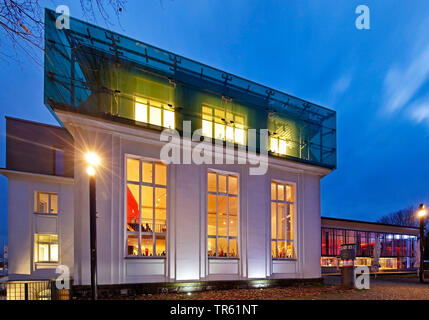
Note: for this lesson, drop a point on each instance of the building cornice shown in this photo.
(129, 132)
(337, 223)
(35, 176)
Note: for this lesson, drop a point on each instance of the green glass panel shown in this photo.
(98, 72)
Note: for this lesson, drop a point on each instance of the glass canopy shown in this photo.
(98, 72)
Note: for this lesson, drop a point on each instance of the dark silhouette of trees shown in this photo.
(407, 217)
(403, 217)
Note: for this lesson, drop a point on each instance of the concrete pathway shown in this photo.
(383, 288)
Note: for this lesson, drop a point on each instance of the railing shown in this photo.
(33, 290)
(184, 85)
(147, 226)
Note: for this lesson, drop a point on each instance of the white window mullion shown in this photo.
(153, 210)
(140, 207)
(277, 224)
(227, 216)
(49, 203)
(217, 215)
(162, 115)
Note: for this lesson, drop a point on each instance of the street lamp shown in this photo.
(421, 213)
(93, 160)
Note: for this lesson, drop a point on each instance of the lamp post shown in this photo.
(421, 214)
(93, 160)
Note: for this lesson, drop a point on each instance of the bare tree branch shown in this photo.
(22, 25)
(403, 217)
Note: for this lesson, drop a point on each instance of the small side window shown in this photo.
(46, 248)
(45, 202)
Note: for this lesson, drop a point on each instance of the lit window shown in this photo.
(230, 134)
(239, 136)
(221, 125)
(133, 171)
(274, 145)
(168, 119)
(141, 112)
(282, 221)
(219, 131)
(278, 145)
(146, 208)
(45, 202)
(154, 113)
(207, 129)
(222, 215)
(282, 146)
(155, 116)
(46, 248)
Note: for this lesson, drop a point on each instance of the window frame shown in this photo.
(278, 140)
(216, 120)
(50, 244)
(228, 195)
(140, 184)
(36, 203)
(149, 102)
(294, 220)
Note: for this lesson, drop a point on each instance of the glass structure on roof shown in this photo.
(98, 72)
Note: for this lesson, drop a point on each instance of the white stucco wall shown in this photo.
(23, 223)
(186, 219)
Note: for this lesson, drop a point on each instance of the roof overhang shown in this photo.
(35, 176)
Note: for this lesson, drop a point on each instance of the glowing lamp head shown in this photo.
(91, 171)
(92, 158)
(422, 211)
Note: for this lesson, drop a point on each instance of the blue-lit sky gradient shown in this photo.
(377, 80)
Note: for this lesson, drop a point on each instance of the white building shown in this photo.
(161, 222)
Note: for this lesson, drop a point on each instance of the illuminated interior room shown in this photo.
(398, 244)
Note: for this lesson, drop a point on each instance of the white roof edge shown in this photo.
(368, 226)
(95, 123)
(22, 174)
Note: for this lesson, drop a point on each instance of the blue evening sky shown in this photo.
(376, 80)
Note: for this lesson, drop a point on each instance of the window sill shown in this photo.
(223, 258)
(46, 265)
(46, 214)
(284, 259)
(144, 257)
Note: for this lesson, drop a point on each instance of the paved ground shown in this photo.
(404, 287)
(279, 293)
(382, 288)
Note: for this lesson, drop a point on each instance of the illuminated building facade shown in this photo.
(398, 244)
(160, 221)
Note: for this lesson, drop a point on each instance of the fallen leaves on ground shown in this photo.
(277, 293)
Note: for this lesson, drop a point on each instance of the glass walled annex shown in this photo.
(397, 250)
(94, 71)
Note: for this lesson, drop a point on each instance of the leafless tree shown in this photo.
(21, 24)
(403, 217)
